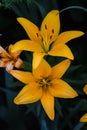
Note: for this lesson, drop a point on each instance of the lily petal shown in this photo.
(31, 29)
(83, 118)
(60, 88)
(19, 63)
(5, 62)
(14, 54)
(85, 89)
(47, 101)
(25, 77)
(43, 70)
(27, 45)
(67, 36)
(2, 63)
(50, 26)
(61, 50)
(29, 94)
(60, 69)
(37, 57)
(3, 52)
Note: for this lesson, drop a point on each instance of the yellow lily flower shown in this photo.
(44, 84)
(10, 60)
(46, 40)
(83, 118)
(85, 89)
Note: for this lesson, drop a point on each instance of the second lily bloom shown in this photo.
(44, 83)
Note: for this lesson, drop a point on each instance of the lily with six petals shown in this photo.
(9, 59)
(44, 83)
(46, 40)
(84, 117)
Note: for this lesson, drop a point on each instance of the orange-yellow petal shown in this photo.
(25, 77)
(2, 63)
(37, 58)
(59, 69)
(14, 54)
(31, 29)
(50, 26)
(3, 52)
(43, 70)
(27, 45)
(83, 118)
(67, 36)
(47, 101)
(29, 94)
(61, 51)
(60, 88)
(19, 63)
(85, 89)
(9, 65)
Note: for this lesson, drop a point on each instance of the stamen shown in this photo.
(44, 82)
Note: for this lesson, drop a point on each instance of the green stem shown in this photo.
(74, 7)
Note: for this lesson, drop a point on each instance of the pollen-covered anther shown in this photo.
(44, 82)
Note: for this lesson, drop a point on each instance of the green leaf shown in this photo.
(58, 107)
(27, 66)
(79, 126)
(14, 116)
(41, 8)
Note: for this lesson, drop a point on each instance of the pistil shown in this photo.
(44, 82)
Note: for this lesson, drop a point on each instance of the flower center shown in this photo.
(47, 38)
(44, 82)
